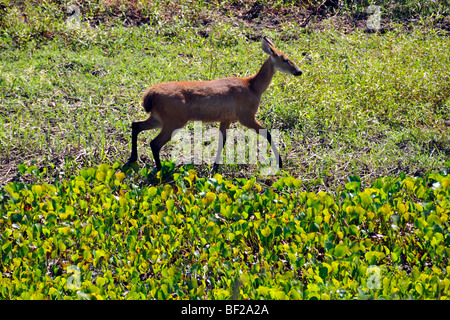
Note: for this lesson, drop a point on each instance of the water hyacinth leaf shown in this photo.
(438, 229)
(37, 190)
(22, 168)
(433, 219)
(419, 288)
(61, 246)
(297, 183)
(33, 169)
(170, 204)
(354, 184)
(340, 250)
(144, 172)
(64, 230)
(366, 200)
(210, 196)
(100, 176)
(354, 178)
(278, 231)
(445, 183)
(395, 257)
(314, 227)
(6, 247)
(329, 245)
(16, 217)
(323, 272)
(152, 191)
(353, 229)
(103, 167)
(120, 176)
(266, 232)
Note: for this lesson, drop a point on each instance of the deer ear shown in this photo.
(267, 46)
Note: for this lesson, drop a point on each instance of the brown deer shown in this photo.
(171, 105)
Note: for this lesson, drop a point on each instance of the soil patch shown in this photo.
(329, 14)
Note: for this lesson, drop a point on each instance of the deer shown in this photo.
(172, 105)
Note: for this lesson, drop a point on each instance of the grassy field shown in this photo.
(367, 104)
(364, 133)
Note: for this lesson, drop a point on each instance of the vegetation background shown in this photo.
(360, 211)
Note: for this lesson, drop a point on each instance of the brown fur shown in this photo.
(172, 104)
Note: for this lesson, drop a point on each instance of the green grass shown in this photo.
(367, 104)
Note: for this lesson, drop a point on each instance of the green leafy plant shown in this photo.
(100, 236)
(341, 222)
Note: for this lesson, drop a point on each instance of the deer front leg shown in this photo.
(252, 123)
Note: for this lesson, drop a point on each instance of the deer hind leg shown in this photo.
(222, 140)
(252, 123)
(161, 139)
(136, 128)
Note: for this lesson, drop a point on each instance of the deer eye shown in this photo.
(284, 59)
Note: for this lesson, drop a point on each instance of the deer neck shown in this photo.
(261, 80)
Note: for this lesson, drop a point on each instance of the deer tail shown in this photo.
(147, 102)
